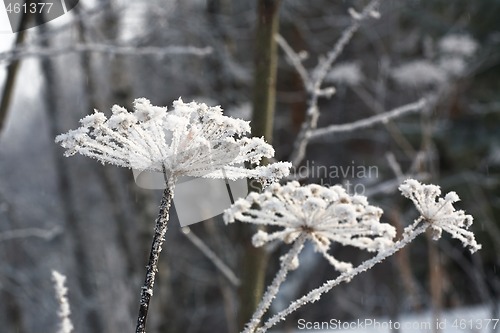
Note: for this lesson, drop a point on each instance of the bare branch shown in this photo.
(212, 256)
(324, 66)
(104, 48)
(46, 234)
(295, 61)
(316, 78)
(371, 121)
(65, 325)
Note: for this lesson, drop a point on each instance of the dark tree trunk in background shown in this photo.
(254, 260)
(266, 59)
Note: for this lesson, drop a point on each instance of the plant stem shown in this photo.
(273, 289)
(409, 235)
(154, 255)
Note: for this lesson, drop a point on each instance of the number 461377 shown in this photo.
(32, 8)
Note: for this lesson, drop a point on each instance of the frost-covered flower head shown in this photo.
(324, 214)
(191, 140)
(439, 212)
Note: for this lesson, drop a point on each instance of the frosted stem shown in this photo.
(212, 256)
(370, 121)
(409, 235)
(65, 325)
(273, 289)
(154, 255)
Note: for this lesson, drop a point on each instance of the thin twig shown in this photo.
(368, 122)
(156, 247)
(323, 67)
(316, 78)
(46, 234)
(65, 325)
(295, 60)
(393, 130)
(315, 294)
(212, 256)
(273, 288)
(395, 166)
(104, 48)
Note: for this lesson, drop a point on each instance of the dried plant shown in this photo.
(191, 140)
(328, 214)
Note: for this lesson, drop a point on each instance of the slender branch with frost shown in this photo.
(315, 295)
(319, 214)
(65, 324)
(212, 256)
(371, 121)
(295, 60)
(154, 255)
(191, 140)
(322, 215)
(288, 262)
(105, 48)
(46, 234)
(315, 79)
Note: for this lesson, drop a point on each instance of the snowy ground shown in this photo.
(472, 319)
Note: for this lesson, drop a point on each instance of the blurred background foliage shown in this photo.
(92, 223)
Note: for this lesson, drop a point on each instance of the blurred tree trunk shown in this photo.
(73, 222)
(254, 260)
(266, 59)
(117, 180)
(12, 70)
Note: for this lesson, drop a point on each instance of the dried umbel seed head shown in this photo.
(439, 212)
(192, 139)
(324, 214)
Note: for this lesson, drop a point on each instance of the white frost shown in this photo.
(191, 140)
(323, 214)
(459, 45)
(65, 325)
(419, 73)
(348, 73)
(439, 212)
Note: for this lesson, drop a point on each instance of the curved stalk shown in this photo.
(273, 289)
(409, 235)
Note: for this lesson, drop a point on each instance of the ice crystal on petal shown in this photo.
(323, 214)
(439, 212)
(193, 139)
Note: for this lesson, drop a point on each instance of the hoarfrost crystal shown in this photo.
(323, 214)
(65, 325)
(439, 212)
(191, 140)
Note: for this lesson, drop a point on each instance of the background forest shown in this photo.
(94, 224)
